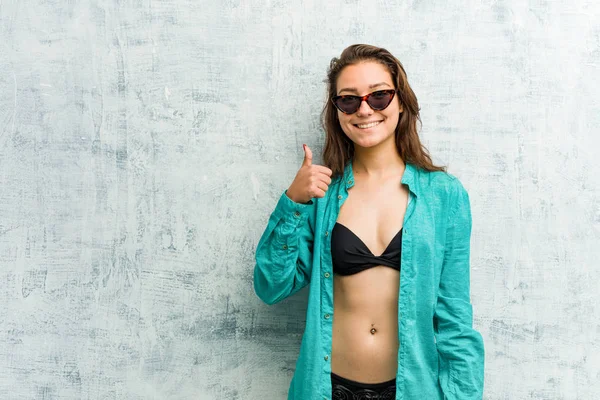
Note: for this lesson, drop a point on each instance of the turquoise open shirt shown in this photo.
(440, 355)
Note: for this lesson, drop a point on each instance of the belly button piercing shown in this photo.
(373, 330)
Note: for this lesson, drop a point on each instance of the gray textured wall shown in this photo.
(143, 145)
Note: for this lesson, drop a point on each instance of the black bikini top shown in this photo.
(351, 255)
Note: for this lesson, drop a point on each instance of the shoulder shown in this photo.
(444, 190)
(441, 184)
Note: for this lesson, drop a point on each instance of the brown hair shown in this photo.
(339, 149)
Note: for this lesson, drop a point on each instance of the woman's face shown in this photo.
(361, 79)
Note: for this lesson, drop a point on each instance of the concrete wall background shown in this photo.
(143, 145)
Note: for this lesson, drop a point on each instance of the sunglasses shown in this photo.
(349, 104)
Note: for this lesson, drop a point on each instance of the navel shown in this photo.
(373, 330)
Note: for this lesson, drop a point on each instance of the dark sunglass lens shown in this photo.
(380, 100)
(348, 104)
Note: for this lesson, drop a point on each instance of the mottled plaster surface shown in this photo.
(143, 145)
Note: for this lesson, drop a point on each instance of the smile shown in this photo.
(367, 126)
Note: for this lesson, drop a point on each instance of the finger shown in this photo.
(319, 193)
(324, 177)
(323, 170)
(307, 156)
(321, 185)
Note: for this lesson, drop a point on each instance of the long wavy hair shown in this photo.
(339, 149)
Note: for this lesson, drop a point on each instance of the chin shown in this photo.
(369, 139)
(367, 142)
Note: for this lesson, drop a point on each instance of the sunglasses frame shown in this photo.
(364, 98)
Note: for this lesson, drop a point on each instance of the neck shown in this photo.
(378, 162)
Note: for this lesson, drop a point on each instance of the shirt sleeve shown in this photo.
(284, 251)
(460, 347)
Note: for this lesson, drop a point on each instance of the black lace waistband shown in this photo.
(346, 389)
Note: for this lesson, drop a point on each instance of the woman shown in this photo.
(383, 237)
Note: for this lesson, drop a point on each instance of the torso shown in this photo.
(365, 316)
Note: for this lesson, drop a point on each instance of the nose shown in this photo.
(364, 109)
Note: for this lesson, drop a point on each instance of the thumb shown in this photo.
(307, 156)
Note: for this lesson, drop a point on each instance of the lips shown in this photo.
(367, 125)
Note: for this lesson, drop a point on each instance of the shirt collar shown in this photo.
(408, 178)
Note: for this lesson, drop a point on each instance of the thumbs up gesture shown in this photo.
(310, 181)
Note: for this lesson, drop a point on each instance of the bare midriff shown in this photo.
(365, 325)
(365, 304)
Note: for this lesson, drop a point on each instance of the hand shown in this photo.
(310, 181)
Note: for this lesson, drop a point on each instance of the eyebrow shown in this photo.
(354, 90)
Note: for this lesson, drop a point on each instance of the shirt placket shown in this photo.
(406, 283)
(336, 202)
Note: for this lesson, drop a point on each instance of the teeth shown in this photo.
(365, 126)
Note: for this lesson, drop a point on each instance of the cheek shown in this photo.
(393, 119)
(346, 128)
(344, 122)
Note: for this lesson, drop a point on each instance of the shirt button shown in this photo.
(350, 182)
(296, 214)
(340, 197)
(326, 358)
(284, 246)
(327, 316)
(326, 233)
(327, 275)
